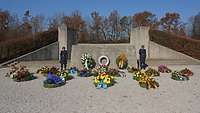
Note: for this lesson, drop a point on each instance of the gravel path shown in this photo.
(80, 96)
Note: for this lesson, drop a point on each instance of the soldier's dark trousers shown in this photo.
(142, 64)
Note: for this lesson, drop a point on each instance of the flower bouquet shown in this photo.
(87, 61)
(45, 70)
(164, 69)
(186, 72)
(145, 80)
(13, 69)
(178, 76)
(111, 71)
(122, 61)
(152, 72)
(148, 82)
(53, 81)
(137, 75)
(103, 80)
(20, 73)
(73, 71)
(64, 75)
(85, 73)
(99, 69)
(132, 69)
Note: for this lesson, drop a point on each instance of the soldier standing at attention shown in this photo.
(142, 53)
(63, 58)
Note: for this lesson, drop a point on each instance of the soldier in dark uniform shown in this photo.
(142, 53)
(63, 58)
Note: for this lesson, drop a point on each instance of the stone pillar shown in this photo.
(62, 38)
(140, 36)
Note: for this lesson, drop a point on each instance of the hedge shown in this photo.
(181, 44)
(18, 46)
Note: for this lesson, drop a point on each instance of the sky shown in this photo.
(48, 8)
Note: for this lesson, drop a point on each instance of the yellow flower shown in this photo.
(102, 76)
(107, 80)
(97, 77)
(106, 76)
(96, 81)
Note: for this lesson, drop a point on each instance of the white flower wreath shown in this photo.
(103, 57)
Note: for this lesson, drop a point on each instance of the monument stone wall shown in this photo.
(139, 36)
(110, 50)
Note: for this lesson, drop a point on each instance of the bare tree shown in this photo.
(125, 23)
(196, 27)
(4, 20)
(75, 21)
(97, 25)
(37, 23)
(171, 22)
(26, 26)
(55, 21)
(114, 22)
(145, 19)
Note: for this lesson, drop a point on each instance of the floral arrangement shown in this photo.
(53, 81)
(145, 80)
(122, 61)
(152, 72)
(13, 69)
(164, 69)
(88, 64)
(85, 73)
(64, 75)
(87, 61)
(137, 75)
(186, 72)
(111, 71)
(20, 73)
(104, 60)
(103, 80)
(103, 68)
(54, 77)
(45, 70)
(73, 71)
(99, 69)
(148, 82)
(132, 69)
(176, 75)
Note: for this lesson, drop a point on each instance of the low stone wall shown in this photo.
(110, 50)
(157, 51)
(49, 52)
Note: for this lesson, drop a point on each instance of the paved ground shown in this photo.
(80, 96)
